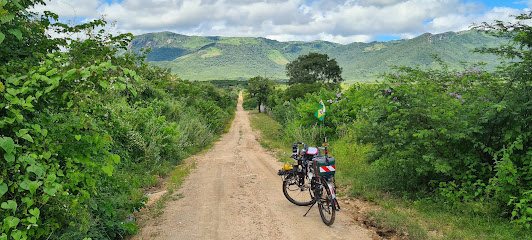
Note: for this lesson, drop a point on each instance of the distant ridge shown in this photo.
(211, 58)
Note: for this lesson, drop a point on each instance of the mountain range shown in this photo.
(234, 58)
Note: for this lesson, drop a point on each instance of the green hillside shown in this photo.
(207, 58)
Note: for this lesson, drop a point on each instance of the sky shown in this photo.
(340, 21)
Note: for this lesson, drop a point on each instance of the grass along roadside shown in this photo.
(175, 180)
(271, 132)
(390, 216)
(164, 189)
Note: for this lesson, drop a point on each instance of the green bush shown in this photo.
(84, 129)
(459, 136)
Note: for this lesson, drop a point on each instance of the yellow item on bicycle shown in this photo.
(287, 167)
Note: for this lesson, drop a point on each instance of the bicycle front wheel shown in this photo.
(297, 190)
(326, 205)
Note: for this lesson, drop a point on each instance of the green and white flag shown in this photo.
(320, 113)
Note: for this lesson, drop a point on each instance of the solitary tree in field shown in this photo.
(312, 68)
(260, 88)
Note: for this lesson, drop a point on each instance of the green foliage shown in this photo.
(300, 90)
(297, 114)
(229, 83)
(260, 88)
(427, 217)
(250, 103)
(313, 68)
(459, 137)
(83, 129)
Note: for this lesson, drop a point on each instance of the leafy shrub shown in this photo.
(250, 103)
(82, 130)
(461, 135)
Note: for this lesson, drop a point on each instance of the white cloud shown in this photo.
(455, 22)
(71, 8)
(340, 21)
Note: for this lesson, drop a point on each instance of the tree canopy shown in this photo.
(260, 88)
(312, 68)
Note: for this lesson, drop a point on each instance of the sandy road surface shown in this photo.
(234, 193)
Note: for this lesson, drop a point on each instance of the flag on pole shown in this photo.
(320, 113)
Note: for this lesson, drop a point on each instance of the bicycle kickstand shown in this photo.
(309, 209)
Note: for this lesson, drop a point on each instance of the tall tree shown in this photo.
(312, 68)
(260, 88)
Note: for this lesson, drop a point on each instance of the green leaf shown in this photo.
(133, 91)
(27, 137)
(7, 144)
(36, 127)
(34, 186)
(25, 184)
(121, 86)
(51, 72)
(11, 222)
(115, 158)
(35, 212)
(9, 157)
(28, 201)
(77, 137)
(10, 204)
(16, 32)
(2, 37)
(529, 211)
(108, 169)
(50, 191)
(22, 132)
(51, 178)
(7, 17)
(2, 87)
(85, 73)
(38, 170)
(104, 84)
(519, 146)
(3, 236)
(32, 220)
(3, 189)
(16, 234)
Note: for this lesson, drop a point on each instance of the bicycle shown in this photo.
(303, 187)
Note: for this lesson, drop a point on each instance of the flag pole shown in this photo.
(320, 114)
(323, 121)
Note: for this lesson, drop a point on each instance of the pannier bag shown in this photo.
(324, 167)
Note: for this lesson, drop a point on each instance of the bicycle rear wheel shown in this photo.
(326, 205)
(297, 190)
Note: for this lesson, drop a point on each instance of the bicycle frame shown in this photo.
(306, 172)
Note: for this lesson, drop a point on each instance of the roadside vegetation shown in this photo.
(84, 130)
(444, 152)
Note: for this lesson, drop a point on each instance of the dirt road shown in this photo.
(234, 193)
